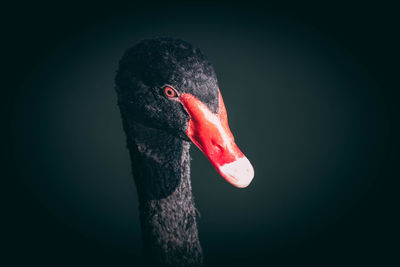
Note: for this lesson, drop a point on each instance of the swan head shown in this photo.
(170, 85)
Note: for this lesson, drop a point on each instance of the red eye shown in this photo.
(169, 92)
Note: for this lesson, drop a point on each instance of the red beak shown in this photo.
(210, 133)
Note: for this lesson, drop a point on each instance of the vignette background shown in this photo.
(310, 99)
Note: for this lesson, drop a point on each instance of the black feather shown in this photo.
(159, 149)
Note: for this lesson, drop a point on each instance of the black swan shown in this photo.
(168, 95)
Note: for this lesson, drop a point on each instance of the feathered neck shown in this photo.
(161, 169)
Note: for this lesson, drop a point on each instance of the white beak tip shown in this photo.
(239, 173)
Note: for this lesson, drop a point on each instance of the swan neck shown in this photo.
(161, 169)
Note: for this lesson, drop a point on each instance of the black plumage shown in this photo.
(159, 148)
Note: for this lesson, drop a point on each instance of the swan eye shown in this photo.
(170, 92)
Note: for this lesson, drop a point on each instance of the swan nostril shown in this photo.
(219, 148)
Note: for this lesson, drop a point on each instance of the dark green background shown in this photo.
(310, 99)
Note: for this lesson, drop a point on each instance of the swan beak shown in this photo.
(211, 134)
